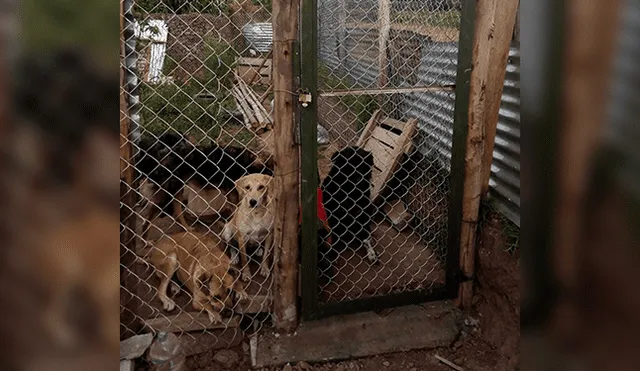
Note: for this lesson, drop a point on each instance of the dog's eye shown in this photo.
(247, 188)
(260, 187)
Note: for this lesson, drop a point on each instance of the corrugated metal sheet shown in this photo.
(259, 36)
(434, 110)
(624, 131)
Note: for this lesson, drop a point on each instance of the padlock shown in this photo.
(304, 97)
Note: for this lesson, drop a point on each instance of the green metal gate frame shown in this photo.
(308, 73)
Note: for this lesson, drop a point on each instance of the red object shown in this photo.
(322, 213)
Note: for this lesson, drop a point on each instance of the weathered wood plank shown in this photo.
(385, 136)
(187, 321)
(360, 335)
(371, 124)
(201, 342)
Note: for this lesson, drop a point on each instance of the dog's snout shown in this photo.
(253, 203)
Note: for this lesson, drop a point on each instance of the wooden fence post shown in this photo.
(128, 198)
(494, 20)
(384, 28)
(591, 34)
(494, 32)
(286, 156)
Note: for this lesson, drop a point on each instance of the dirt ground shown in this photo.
(489, 341)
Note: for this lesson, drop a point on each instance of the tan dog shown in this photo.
(253, 220)
(81, 253)
(196, 258)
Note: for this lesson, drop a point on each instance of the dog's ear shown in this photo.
(240, 184)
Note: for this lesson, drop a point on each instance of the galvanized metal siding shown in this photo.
(434, 110)
(259, 36)
(623, 133)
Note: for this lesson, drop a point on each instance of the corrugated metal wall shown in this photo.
(623, 133)
(434, 110)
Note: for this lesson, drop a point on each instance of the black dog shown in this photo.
(171, 161)
(158, 163)
(220, 166)
(346, 193)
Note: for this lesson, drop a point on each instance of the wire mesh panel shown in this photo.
(198, 258)
(386, 79)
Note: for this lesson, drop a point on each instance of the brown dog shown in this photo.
(253, 220)
(81, 253)
(196, 258)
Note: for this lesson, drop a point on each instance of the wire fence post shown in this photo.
(286, 157)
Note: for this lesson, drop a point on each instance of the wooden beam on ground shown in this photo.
(201, 342)
(494, 31)
(286, 157)
(360, 335)
(186, 321)
(493, 28)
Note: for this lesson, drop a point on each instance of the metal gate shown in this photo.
(374, 134)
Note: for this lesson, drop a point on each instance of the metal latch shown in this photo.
(304, 97)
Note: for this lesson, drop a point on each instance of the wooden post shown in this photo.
(591, 29)
(342, 30)
(384, 28)
(492, 32)
(126, 171)
(127, 217)
(285, 32)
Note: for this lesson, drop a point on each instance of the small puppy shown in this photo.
(196, 258)
(253, 220)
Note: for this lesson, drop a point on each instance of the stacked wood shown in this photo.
(255, 115)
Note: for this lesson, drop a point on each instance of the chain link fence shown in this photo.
(198, 91)
(386, 78)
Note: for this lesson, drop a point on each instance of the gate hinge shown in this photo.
(304, 97)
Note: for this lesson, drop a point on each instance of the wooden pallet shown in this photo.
(387, 139)
(253, 70)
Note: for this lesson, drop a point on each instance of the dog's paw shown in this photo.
(246, 275)
(235, 258)
(168, 305)
(260, 252)
(242, 295)
(174, 288)
(214, 317)
(264, 271)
